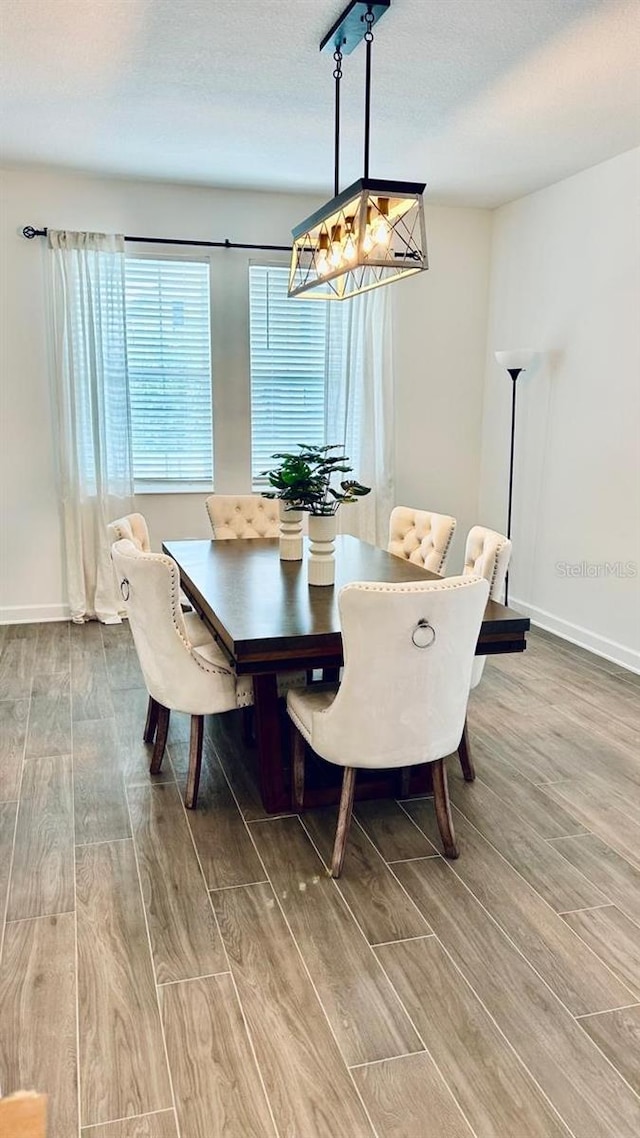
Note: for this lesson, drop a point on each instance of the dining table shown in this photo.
(270, 622)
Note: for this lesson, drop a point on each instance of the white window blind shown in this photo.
(169, 367)
(293, 343)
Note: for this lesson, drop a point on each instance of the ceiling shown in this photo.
(485, 100)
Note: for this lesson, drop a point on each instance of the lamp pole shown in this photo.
(515, 362)
(514, 372)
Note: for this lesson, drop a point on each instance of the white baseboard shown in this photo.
(33, 614)
(575, 634)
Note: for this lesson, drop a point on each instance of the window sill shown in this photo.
(142, 488)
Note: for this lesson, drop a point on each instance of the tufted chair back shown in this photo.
(243, 515)
(134, 528)
(178, 674)
(398, 703)
(421, 536)
(487, 554)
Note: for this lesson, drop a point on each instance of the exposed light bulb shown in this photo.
(350, 248)
(323, 265)
(335, 256)
(380, 229)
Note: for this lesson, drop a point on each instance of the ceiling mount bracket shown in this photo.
(350, 28)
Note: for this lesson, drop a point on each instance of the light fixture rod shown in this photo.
(337, 74)
(367, 99)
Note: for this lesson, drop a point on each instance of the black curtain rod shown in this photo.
(30, 232)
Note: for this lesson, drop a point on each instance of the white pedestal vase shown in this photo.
(290, 534)
(322, 562)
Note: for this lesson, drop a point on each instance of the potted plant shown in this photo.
(304, 482)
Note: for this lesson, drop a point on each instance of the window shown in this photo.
(294, 344)
(169, 367)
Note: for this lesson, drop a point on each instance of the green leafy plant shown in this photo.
(304, 480)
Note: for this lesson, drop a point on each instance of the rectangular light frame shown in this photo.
(368, 268)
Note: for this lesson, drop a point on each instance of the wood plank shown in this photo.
(594, 697)
(49, 731)
(8, 812)
(134, 755)
(122, 1063)
(588, 1094)
(378, 903)
(304, 1074)
(215, 1078)
(160, 1125)
(602, 813)
(38, 1021)
(123, 669)
(52, 648)
(614, 938)
(185, 941)
(224, 845)
(562, 886)
(401, 1094)
(16, 666)
(565, 733)
(571, 970)
(611, 872)
(26, 631)
(545, 817)
(618, 1035)
(90, 692)
(100, 805)
(488, 1081)
(361, 1006)
(393, 834)
(42, 875)
(13, 732)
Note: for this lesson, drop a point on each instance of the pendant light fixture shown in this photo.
(373, 232)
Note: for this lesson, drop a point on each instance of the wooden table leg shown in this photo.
(276, 796)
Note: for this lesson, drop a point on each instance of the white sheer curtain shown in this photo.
(91, 401)
(360, 409)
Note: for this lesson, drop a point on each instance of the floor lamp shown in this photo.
(515, 361)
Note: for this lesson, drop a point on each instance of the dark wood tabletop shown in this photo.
(268, 616)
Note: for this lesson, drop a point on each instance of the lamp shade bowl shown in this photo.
(515, 359)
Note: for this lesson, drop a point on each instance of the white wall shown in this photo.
(566, 281)
(440, 332)
(439, 346)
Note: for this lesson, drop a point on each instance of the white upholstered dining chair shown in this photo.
(180, 675)
(487, 555)
(134, 528)
(421, 536)
(243, 515)
(408, 652)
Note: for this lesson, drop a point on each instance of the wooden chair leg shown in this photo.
(195, 761)
(464, 754)
(162, 730)
(297, 764)
(443, 809)
(344, 820)
(405, 781)
(152, 720)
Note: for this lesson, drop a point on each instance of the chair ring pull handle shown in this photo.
(424, 634)
(124, 589)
